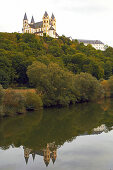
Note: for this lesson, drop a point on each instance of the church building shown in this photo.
(46, 26)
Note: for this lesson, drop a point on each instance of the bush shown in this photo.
(58, 86)
(110, 83)
(2, 92)
(88, 87)
(13, 103)
(105, 85)
(54, 83)
(33, 101)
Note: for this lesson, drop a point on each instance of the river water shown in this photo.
(79, 137)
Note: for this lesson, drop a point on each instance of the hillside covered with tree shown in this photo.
(18, 51)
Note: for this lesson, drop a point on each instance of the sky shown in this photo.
(80, 19)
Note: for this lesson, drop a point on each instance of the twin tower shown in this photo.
(46, 26)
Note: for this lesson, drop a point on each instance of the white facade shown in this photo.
(98, 45)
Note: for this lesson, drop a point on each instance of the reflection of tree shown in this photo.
(57, 125)
(105, 104)
(16, 130)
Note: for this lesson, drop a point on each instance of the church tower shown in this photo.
(53, 21)
(25, 23)
(32, 20)
(47, 155)
(46, 22)
(54, 156)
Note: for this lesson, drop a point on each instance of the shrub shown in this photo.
(13, 103)
(33, 101)
(2, 92)
(110, 83)
(88, 87)
(105, 85)
(54, 83)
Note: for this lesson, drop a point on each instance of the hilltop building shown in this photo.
(98, 45)
(47, 26)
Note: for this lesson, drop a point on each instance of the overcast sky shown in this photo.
(80, 19)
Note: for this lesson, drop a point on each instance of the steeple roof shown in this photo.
(26, 159)
(53, 17)
(46, 14)
(33, 155)
(47, 163)
(32, 20)
(53, 160)
(51, 28)
(25, 16)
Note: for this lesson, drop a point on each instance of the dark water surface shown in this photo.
(76, 138)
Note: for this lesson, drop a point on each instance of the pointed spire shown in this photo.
(26, 160)
(46, 14)
(33, 156)
(25, 16)
(53, 160)
(53, 17)
(32, 20)
(51, 28)
(46, 163)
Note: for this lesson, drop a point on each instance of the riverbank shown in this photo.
(81, 88)
(18, 101)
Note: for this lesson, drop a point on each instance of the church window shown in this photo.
(44, 21)
(47, 21)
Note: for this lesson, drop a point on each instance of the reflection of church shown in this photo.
(100, 129)
(50, 152)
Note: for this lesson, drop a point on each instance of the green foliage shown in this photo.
(54, 83)
(2, 92)
(89, 87)
(18, 51)
(110, 83)
(61, 87)
(13, 103)
(33, 101)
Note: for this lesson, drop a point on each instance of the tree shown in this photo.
(54, 84)
(89, 87)
(110, 83)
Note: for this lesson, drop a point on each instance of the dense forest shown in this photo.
(18, 51)
(62, 71)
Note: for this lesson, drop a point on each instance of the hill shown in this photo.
(18, 51)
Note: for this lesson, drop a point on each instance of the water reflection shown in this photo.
(50, 152)
(100, 129)
(43, 133)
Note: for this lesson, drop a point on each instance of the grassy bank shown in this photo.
(17, 101)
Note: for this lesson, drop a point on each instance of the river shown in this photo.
(79, 137)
